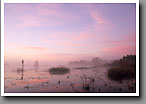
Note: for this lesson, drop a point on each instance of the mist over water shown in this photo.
(73, 76)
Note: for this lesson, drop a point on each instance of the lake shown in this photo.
(38, 80)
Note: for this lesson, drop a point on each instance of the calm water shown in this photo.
(32, 79)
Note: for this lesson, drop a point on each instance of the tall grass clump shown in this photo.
(59, 70)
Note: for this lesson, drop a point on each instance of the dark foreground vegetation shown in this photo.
(59, 70)
(123, 69)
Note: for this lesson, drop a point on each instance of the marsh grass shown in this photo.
(123, 69)
(59, 70)
(121, 73)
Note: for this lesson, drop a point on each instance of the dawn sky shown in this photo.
(56, 32)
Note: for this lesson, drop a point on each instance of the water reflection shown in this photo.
(20, 70)
(36, 66)
(22, 74)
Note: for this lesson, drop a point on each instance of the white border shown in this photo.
(69, 1)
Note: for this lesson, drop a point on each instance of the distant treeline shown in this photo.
(93, 62)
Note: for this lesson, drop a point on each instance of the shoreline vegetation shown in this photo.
(82, 68)
(119, 70)
(88, 64)
(90, 67)
(123, 69)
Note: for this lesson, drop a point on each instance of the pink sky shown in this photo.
(64, 32)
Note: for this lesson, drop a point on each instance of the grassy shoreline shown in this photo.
(123, 69)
